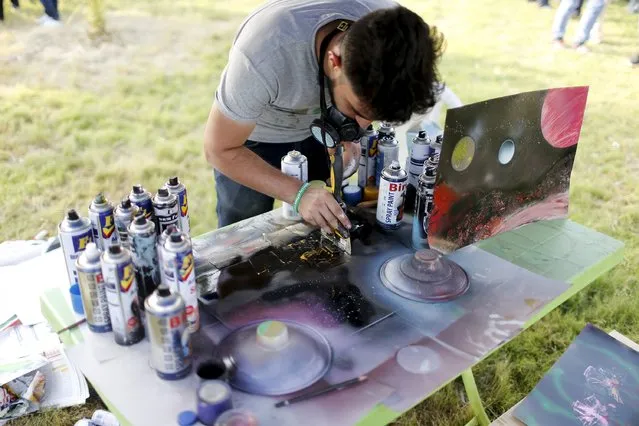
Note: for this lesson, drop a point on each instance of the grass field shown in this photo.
(78, 117)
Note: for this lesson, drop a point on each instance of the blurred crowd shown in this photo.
(590, 14)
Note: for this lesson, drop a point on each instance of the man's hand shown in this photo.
(319, 207)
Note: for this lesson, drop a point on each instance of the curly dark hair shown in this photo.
(390, 59)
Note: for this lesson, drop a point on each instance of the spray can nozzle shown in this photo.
(72, 215)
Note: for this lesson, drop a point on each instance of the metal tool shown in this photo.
(340, 237)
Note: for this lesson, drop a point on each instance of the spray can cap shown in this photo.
(140, 219)
(100, 199)
(170, 229)
(92, 252)
(174, 181)
(72, 215)
(163, 192)
(422, 134)
(176, 237)
(126, 203)
(394, 165)
(115, 249)
(138, 189)
(163, 290)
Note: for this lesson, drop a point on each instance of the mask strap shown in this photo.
(342, 27)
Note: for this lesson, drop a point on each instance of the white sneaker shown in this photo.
(50, 22)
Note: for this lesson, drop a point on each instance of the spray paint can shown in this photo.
(366, 171)
(124, 214)
(387, 152)
(165, 208)
(165, 277)
(418, 156)
(423, 208)
(75, 233)
(178, 273)
(213, 398)
(102, 219)
(168, 334)
(145, 256)
(386, 130)
(436, 146)
(294, 164)
(92, 289)
(178, 189)
(121, 291)
(431, 165)
(392, 191)
(415, 165)
(143, 200)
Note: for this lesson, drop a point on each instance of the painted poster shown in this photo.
(505, 162)
(594, 383)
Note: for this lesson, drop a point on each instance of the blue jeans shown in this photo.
(236, 202)
(51, 8)
(587, 21)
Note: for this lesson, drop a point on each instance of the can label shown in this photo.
(124, 309)
(73, 246)
(390, 205)
(166, 216)
(419, 153)
(104, 230)
(145, 207)
(367, 164)
(170, 344)
(184, 222)
(145, 259)
(94, 300)
(187, 287)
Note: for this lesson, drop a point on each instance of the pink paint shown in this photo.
(591, 412)
(605, 381)
(552, 207)
(562, 115)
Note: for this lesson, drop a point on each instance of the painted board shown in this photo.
(505, 162)
(408, 347)
(594, 383)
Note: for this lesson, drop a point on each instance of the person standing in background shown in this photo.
(586, 23)
(51, 17)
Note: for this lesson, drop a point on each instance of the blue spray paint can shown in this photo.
(143, 200)
(179, 190)
(105, 233)
(75, 234)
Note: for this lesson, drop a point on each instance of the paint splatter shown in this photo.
(603, 381)
(591, 412)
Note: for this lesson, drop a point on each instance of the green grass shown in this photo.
(62, 143)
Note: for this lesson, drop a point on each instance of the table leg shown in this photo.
(481, 417)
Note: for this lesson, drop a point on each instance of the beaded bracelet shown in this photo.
(299, 195)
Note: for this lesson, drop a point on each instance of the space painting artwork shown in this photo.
(594, 383)
(505, 162)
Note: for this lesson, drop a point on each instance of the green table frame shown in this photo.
(557, 249)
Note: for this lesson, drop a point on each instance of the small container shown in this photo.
(76, 299)
(237, 417)
(213, 398)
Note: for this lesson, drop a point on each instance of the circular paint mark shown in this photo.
(463, 154)
(418, 359)
(506, 151)
(562, 115)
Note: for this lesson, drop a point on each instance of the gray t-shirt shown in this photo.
(271, 75)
